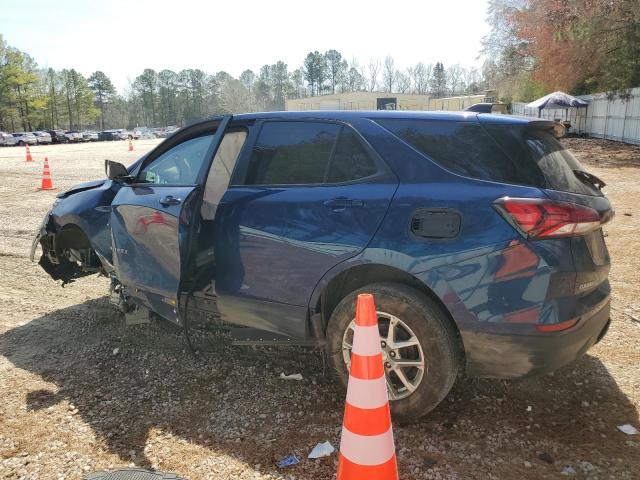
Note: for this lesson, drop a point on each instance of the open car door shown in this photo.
(153, 217)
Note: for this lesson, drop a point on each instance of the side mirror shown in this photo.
(116, 171)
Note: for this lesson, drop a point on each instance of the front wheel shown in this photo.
(418, 342)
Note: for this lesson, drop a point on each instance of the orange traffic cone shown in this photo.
(366, 446)
(29, 157)
(47, 184)
(130, 146)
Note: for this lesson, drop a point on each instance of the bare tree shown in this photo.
(403, 82)
(454, 79)
(420, 75)
(471, 79)
(374, 68)
(388, 74)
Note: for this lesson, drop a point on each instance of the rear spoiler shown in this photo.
(557, 129)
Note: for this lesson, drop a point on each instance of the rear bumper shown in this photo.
(515, 356)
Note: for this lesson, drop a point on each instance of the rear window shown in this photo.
(539, 146)
(465, 149)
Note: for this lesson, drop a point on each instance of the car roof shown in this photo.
(351, 115)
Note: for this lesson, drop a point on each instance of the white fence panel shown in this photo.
(615, 118)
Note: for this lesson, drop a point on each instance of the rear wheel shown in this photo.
(418, 343)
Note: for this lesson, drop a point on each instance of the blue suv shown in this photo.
(479, 235)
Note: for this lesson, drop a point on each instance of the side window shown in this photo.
(179, 165)
(350, 160)
(291, 153)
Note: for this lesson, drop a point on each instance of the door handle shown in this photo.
(343, 202)
(169, 200)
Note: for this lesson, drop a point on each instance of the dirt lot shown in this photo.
(82, 392)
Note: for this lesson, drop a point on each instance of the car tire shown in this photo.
(21, 143)
(425, 320)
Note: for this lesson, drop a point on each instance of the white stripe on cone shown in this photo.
(367, 394)
(367, 341)
(361, 448)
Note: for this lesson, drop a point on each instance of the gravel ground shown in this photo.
(82, 392)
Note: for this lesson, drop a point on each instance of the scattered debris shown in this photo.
(429, 462)
(115, 351)
(322, 450)
(293, 376)
(545, 457)
(628, 429)
(568, 471)
(288, 461)
(587, 467)
(527, 464)
(529, 408)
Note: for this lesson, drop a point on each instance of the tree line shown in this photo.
(33, 98)
(534, 46)
(578, 46)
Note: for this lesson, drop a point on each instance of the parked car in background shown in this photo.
(160, 133)
(74, 136)
(90, 136)
(147, 134)
(108, 135)
(58, 136)
(7, 140)
(124, 134)
(479, 235)
(43, 137)
(25, 138)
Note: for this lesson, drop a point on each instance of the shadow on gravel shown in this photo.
(232, 401)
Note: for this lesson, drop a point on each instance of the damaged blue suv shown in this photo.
(479, 235)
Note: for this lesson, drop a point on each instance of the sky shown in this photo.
(122, 38)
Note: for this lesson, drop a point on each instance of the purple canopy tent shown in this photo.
(558, 100)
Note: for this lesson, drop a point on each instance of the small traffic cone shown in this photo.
(366, 445)
(130, 146)
(29, 157)
(47, 184)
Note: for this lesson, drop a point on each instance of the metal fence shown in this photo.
(613, 118)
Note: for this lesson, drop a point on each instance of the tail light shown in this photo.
(538, 218)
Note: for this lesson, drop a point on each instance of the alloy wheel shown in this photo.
(402, 355)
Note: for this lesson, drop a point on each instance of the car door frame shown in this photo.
(217, 127)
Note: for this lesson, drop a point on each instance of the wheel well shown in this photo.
(357, 277)
(71, 236)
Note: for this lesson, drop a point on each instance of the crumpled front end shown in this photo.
(66, 253)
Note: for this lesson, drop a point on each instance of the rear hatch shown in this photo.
(576, 192)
